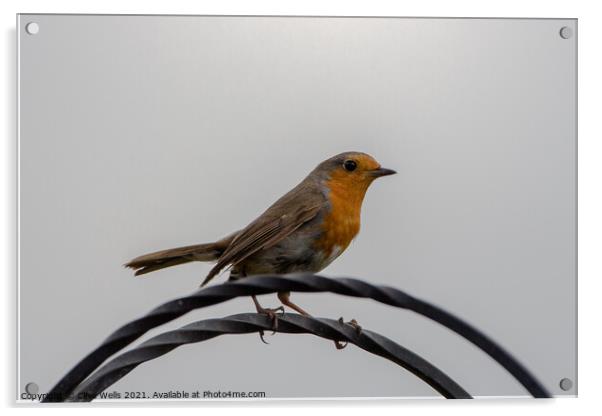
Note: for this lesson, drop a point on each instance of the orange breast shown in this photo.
(342, 223)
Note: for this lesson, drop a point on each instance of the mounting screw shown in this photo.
(32, 28)
(32, 388)
(566, 32)
(566, 384)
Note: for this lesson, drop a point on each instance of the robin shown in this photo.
(303, 231)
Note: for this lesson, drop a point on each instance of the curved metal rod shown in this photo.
(258, 285)
(246, 323)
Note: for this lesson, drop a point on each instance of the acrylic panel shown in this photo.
(142, 133)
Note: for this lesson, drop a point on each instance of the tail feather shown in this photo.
(158, 265)
(180, 255)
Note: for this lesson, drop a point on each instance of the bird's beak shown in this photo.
(377, 173)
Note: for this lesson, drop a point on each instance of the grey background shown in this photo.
(140, 133)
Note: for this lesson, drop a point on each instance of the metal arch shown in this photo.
(258, 285)
(250, 323)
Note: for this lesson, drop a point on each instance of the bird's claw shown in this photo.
(339, 345)
(273, 315)
(261, 334)
(352, 323)
(357, 326)
(358, 329)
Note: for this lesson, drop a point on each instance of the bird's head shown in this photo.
(351, 171)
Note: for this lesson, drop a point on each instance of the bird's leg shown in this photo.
(271, 313)
(285, 298)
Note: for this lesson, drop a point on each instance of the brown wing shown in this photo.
(279, 221)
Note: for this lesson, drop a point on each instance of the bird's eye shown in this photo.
(350, 165)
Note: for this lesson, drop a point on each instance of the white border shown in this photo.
(18, 205)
